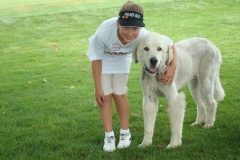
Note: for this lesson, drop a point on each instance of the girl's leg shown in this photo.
(122, 106)
(106, 113)
(106, 116)
(120, 98)
(123, 110)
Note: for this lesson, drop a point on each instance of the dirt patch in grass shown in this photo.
(21, 8)
(64, 3)
(94, 0)
(32, 7)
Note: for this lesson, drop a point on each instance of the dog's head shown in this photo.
(153, 53)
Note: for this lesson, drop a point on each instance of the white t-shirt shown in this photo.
(105, 46)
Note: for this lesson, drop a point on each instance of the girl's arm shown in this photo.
(169, 71)
(96, 71)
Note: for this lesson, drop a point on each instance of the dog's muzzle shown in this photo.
(152, 69)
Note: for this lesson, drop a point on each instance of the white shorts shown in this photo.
(114, 83)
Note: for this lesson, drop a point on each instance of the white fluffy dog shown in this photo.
(198, 64)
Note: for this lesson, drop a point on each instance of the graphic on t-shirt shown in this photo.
(118, 53)
(114, 47)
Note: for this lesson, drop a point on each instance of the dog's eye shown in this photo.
(159, 48)
(146, 49)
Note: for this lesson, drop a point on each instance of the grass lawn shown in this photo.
(46, 86)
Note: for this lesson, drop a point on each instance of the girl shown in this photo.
(110, 55)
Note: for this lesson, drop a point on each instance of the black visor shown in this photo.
(131, 18)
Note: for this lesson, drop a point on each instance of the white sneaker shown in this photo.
(109, 144)
(125, 140)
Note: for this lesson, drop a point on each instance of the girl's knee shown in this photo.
(119, 97)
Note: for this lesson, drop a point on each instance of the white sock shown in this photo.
(124, 131)
(109, 134)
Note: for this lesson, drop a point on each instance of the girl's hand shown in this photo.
(99, 97)
(168, 75)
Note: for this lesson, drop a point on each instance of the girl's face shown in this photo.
(127, 34)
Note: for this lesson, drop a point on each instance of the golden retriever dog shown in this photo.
(198, 64)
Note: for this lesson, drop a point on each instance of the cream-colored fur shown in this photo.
(198, 64)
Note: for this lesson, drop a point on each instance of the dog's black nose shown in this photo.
(153, 61)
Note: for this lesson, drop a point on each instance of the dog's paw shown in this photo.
(174, 143)
(144, 144)
(208, 125)
(173, 146)
(196, 124)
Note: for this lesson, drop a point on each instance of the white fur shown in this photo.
(198, 64)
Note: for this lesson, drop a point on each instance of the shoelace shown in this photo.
(110, 139)
(124, 136)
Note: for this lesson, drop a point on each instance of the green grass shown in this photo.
(46, 87)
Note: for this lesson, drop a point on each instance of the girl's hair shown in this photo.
(131, 6)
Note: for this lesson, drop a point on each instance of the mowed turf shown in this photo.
(46, 86)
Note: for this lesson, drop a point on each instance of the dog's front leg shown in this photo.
(176, 109)
(150, 108)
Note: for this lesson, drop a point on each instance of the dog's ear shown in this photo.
(169, 56)
(134, 54)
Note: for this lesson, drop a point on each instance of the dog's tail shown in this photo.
(219, 92)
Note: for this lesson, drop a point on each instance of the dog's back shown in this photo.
(194, 56)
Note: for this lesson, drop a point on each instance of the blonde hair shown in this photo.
(131, 6)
